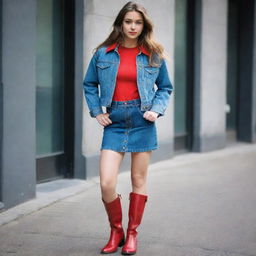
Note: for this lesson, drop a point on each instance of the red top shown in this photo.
(126, 80)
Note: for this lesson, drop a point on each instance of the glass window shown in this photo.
(49, 78)
(180, 71)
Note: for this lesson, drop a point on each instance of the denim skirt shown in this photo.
(129, 131)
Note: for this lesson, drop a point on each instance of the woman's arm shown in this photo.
(163, 92)
(91, 89)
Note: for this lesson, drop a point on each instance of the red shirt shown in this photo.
(126, 81)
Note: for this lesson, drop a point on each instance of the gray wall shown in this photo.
(1, 105)
(18, 66)
(98, 19)
(79, 161)
(210, 77)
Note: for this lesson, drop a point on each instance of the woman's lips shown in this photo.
(133, 33)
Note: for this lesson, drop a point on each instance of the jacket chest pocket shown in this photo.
(151, 73)
(103, 69)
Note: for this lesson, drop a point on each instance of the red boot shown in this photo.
(136, 209)
(114, 211)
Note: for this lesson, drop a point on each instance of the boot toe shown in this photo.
(127, 252)
(108, 250)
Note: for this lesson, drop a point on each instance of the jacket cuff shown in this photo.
(96, 111)
(157, 110)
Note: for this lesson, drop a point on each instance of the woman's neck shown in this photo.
(130, 43)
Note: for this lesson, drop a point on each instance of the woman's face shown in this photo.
(132, 25)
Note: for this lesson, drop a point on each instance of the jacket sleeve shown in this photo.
(91, 88)
(163, 92)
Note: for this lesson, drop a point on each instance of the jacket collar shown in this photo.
(115, 45)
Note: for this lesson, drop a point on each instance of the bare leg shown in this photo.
(139, 168)
(109, 166)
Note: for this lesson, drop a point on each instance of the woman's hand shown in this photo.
(104, 119)
(150, 116)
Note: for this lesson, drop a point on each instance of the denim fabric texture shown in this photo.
(129, 131)
(102, 70)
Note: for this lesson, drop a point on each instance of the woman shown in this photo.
(127, 65)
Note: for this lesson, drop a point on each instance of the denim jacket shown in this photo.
(102, 70)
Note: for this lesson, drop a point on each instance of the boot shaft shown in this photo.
(136, 210)
(114, 212)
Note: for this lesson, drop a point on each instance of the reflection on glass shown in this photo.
(49, 78)
(180, 68)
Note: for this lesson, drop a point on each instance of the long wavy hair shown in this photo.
(145, 39)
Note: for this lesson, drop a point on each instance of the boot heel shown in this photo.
(121, 243)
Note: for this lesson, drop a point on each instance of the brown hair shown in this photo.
(145, 39)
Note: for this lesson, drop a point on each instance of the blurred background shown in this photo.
(46, 132)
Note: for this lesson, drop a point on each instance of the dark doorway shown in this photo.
(246, 114)
(54, 89)
(232, 71)
(183, 72)
(240, 85)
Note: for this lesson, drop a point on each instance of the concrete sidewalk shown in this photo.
(199, 205)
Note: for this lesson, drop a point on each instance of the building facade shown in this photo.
(46, 132)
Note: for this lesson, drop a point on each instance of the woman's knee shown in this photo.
(138, 180)
(107, 185)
